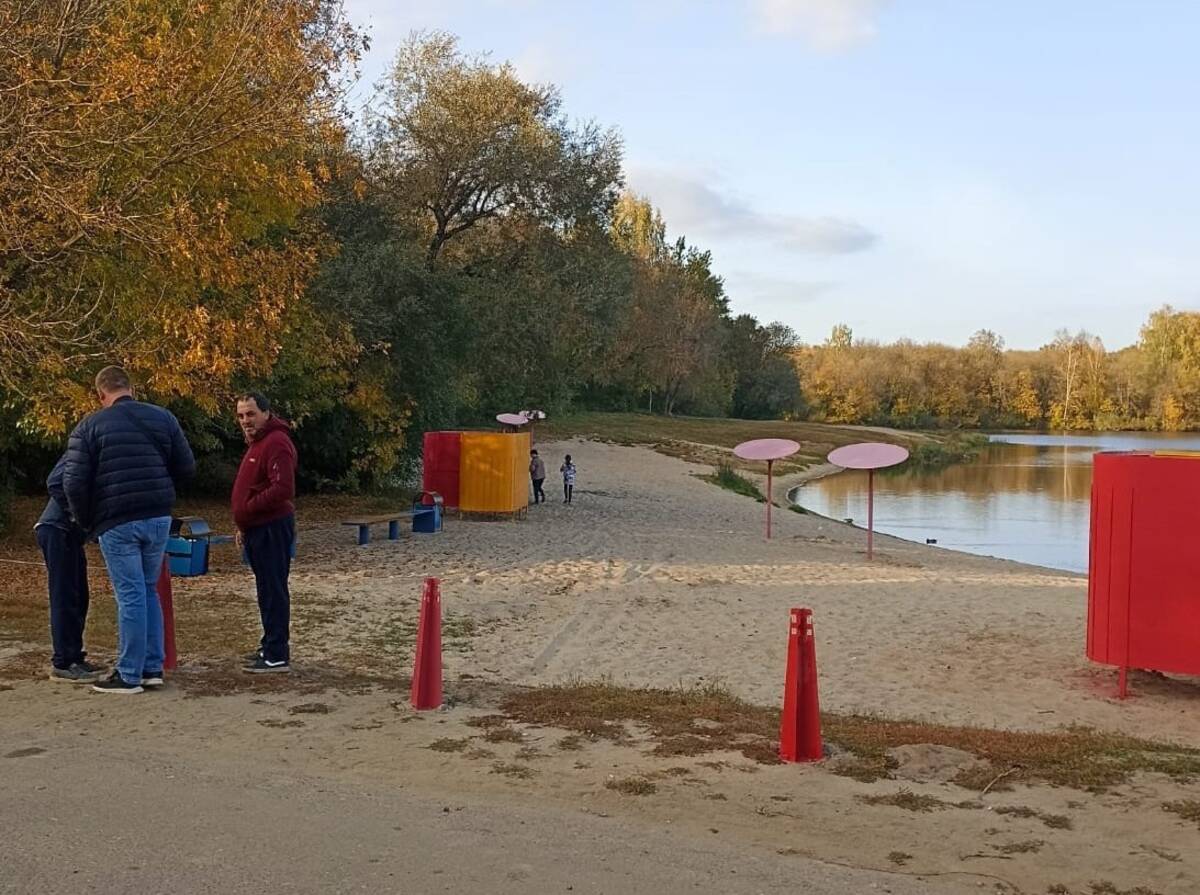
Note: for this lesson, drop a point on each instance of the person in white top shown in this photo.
(568, 474)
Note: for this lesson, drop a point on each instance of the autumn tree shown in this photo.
(672, 341)
(1170, 345)
(458, 140)
(154, 181)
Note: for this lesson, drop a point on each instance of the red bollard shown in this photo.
(166, 601)
(800, 729)
(427, 668)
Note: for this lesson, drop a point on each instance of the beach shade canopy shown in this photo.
(868, 455)
(769, 450)
(511, 419)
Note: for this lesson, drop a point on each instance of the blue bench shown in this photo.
(364, 525)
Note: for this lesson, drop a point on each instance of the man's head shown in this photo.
(253, 411)
(533, 453)
(113, 383)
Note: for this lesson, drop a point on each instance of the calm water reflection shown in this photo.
(1024, 498)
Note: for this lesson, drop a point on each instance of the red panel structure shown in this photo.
(440, 466)
(1144, 565)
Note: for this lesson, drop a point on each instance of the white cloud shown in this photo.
(691, 206)
(828, 25)
(546, 62)
(773, 295)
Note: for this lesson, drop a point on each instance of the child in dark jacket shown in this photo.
(61, 541)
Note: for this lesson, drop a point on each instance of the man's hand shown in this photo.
(238, 538)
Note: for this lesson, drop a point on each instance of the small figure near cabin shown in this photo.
(568, 474)
(537, 475)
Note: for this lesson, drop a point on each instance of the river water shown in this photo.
(1025, 497)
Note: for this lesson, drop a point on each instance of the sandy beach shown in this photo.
(653, 577)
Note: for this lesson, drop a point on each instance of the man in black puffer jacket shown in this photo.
(122, 465)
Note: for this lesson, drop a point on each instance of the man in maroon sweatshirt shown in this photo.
(265, 517)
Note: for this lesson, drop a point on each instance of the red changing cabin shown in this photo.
(1144, 565)
(440, 466)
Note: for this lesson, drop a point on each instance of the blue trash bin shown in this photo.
(427, 512)
(187, 547)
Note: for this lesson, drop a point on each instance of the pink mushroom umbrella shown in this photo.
(769, 449)
(511, 419)
(868, 455)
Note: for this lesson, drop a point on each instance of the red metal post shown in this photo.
(870, 511)
(769, 464)
(167, 602)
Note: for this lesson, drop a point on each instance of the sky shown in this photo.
(913, 168)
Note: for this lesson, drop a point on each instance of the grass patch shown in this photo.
(572, 742)
(982, 777)
(517, 771)
(958, 447)
(446, 744)
(632, 786)
(906, 799)
(502, 735)
(310, 708)
(601, 710)
(864, 769)
(706, 440)
(1107, 888)
(486, 721)
(1188, 809)
(1053, 821)
(1079, 758)
(899, 858)
(730, 479)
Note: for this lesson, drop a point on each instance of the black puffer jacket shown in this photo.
(119, 471)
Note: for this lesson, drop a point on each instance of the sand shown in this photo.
(654, 577)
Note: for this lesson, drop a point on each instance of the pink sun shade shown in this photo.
(511, 419)
(766, 449)
(867, 455)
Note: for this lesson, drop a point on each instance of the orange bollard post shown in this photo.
(167, 602)
(800, 728)
(427, 668)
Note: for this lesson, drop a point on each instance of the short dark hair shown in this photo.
(112, 379)
(534, 452)
(259, 399)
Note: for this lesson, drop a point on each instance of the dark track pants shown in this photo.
(66, 567)
(269, 550)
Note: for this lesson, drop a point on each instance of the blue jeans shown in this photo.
(133, 553)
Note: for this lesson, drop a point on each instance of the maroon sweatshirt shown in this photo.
(266, 480)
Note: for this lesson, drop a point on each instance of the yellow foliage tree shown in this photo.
(156, 164)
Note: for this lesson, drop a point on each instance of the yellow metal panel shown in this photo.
(493, 472)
